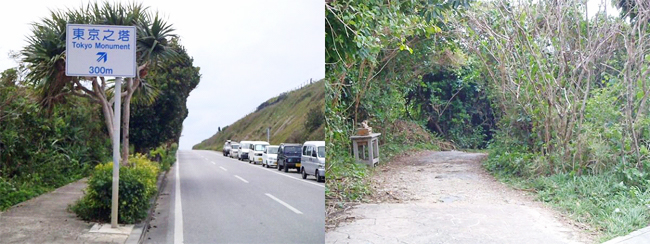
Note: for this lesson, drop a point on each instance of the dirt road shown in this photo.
(447, 197)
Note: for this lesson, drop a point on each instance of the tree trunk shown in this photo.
(106, 109)
(125, 129)
(108, 118)
(126, 114)
(132, 85)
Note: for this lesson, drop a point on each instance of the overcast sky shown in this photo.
(248, 51)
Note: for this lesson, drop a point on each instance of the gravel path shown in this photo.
(447, 197)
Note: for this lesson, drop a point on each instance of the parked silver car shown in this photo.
(244, 150)
(234, 150)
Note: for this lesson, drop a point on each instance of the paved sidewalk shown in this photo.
(45, 219)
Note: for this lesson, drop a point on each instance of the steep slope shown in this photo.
(286, 114)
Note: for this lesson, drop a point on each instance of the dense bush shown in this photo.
(41, 150)
(583, 121)
(454, 103)
(162, 121)
(137, 186)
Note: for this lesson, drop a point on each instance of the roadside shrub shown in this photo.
(507, 157)
(137, 186)
(454, 103)
(164, 155)
(41, 149)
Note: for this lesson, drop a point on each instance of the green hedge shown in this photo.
(137, 186)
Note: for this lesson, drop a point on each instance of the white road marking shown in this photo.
(284, 204)
(178, 209)
(242, 179)
(212, 162)
(224, 169)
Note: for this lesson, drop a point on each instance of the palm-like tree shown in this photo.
(45, 59)
(152, 46)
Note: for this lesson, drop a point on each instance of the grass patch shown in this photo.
(604, 201)
(20, 189)
(16, 191)
(347, 181)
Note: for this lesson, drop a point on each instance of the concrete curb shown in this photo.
(638, 236)
(140, 229)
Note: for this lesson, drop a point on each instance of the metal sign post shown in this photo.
(104, 50)
(116, 150)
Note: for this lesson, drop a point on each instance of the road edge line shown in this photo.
(178, 208)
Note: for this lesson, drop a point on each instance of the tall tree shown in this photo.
(550, 60)
(45, 58)
(162, 121)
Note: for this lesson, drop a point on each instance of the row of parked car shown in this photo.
(308, 158)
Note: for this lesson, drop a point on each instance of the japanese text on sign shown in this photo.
(107, 35)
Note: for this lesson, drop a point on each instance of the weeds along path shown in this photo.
(447, 197)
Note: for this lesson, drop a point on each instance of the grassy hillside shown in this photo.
(286, 114)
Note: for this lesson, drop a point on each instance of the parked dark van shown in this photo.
(289, 156)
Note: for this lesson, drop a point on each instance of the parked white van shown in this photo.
(257, 149)
(312, 161)
(244, 150)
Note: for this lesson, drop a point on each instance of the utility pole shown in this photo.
(268, 135)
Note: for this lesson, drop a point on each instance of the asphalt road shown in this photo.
(224, 200)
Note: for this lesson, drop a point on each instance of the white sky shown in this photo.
(593, 6)
(248, 51)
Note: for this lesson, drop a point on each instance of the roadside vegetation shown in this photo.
(137, 186)
(54, 130)
(43, 149)
(295, 116)
(555, 94)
